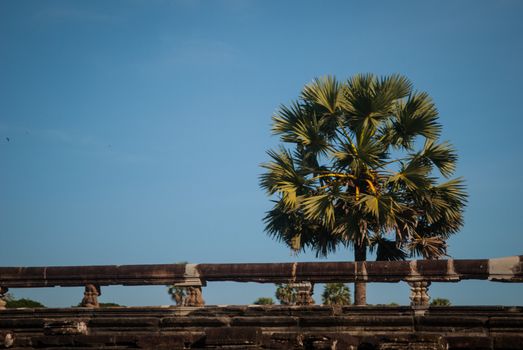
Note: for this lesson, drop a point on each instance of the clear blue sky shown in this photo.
(136, 128)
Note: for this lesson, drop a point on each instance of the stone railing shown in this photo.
(302, 276)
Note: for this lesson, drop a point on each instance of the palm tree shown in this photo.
(359, 172)
(336, 294)
(286, 294)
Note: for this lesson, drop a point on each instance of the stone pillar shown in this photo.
(187, 295)
(91, 296)
(3, 291)
(189, 292)
(304, 292)
(419, 293)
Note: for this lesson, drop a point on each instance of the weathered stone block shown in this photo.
(265, 321)
(124, 323)
(508, 342)
(452, 322)
(505, 322)
(66, 327)
(231, 336)
(195, 321)
(467, 342)
(21, 323)
(281, 340)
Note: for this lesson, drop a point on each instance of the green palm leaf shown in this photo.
(414, 175)
(309, 134)
(283, 177)
(285, 120)
(383, 209)
(325, 92)
(415, 116)
(394, 87)
(442, 155)
(321, 208)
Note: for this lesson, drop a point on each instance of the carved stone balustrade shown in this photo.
(190, 289)
(304, 291)
(91, 295)
(193, 297)
(192, 277)
(419, 293)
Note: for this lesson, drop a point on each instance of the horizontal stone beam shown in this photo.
(509, 269)
(51, 276)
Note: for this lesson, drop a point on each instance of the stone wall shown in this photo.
(263, 327)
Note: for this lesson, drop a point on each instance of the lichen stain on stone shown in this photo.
(293, 271)
(9, 340)
(501, 269)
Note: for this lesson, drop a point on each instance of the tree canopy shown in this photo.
(13, 303)
(336, 294)
(264, 301)
(286, 294)
(440, 302)
(363, 167)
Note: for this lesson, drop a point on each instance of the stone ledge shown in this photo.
(260, 327)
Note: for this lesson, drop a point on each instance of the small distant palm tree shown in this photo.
(286, 294)
(264, 301)
(440, 302)
(336, 294)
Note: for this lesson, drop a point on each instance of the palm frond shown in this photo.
(323, 241)
(386, 250)
(358, 101)
(369, 149)
(442, 208)
(414, 175)
(442, 155)
(415, 116)
(406, 222)
(285, 119)
(358, 95)
(283, 177)
(284, 225)
(309, 134)
(394, 87)
(319, 207)
(324, 92)
(449, 198)
(452, 199)
(383, 209)
(427, 247)
(370, 101)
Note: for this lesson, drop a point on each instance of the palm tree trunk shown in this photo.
(360, 288)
